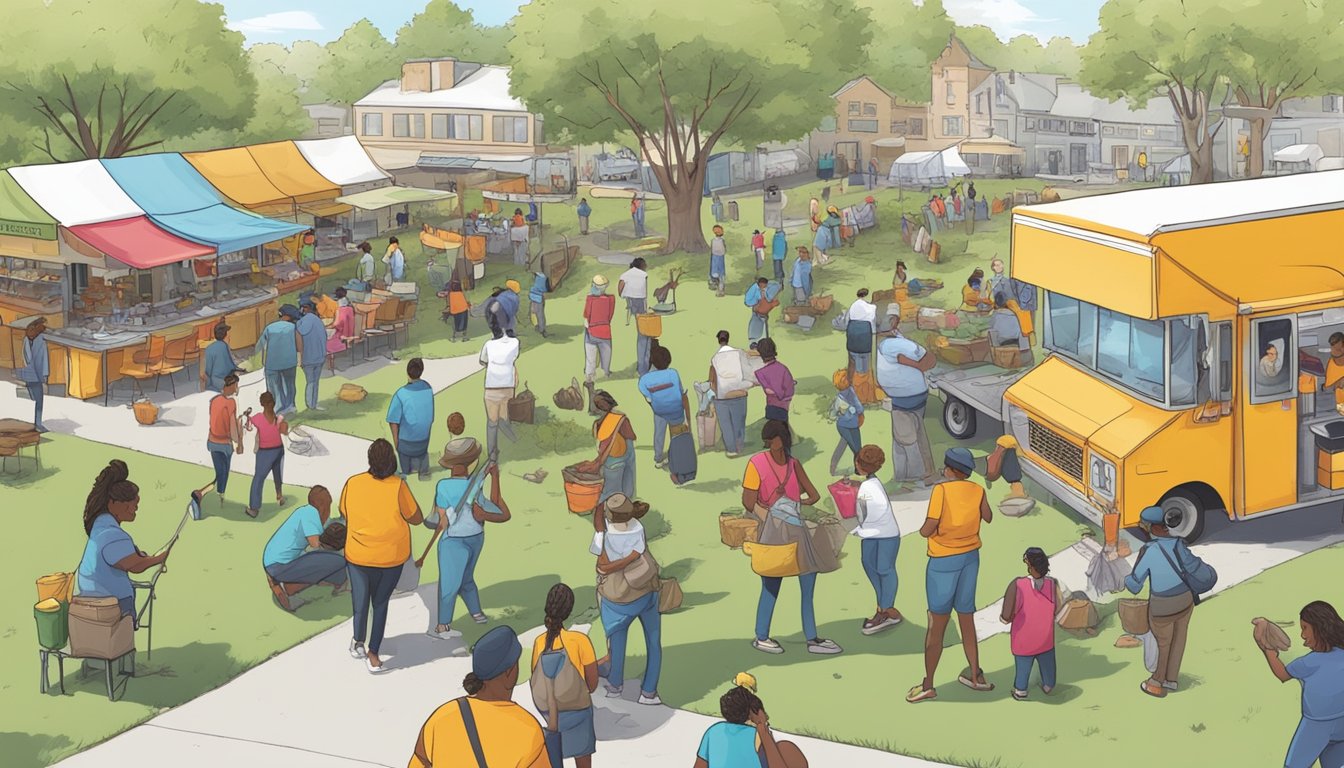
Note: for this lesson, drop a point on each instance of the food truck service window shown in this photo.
(1273, 360)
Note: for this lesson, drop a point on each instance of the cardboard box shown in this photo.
(1330, 462)
(1332, 480)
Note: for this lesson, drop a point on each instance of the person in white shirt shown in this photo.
(900, 368)
(499, 356)
(880, 539)
(729, 377)
(633, 286)
(862, 321)
(366, 263)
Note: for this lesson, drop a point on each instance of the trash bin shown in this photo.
(53, 624)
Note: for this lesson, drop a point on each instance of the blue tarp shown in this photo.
(179, 199)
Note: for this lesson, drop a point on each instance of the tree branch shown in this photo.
(139, 126)
(45, 146)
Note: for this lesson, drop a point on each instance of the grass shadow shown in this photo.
(338, 410)
(32, 749)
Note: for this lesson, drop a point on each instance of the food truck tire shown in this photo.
(1186, 513)
(958, 419)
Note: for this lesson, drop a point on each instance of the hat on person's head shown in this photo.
(513, 285)
(600, 281)
(869, 199)
(308, 302)
(1153, 516)
(290, 311)
(37, 322)
(495, 653)
(960, 459)
(621, 508)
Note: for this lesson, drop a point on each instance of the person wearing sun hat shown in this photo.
(957, 508)
(598, 309)
(620, 541)
(508, 734)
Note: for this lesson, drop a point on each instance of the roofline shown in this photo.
(1082, 227)
(441, 106)
(855, 82)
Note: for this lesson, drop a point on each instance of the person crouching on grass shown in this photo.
(744, 737)
(1030, 606)
(294, 558)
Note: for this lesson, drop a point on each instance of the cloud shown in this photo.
(274, 23)
(1006, 17)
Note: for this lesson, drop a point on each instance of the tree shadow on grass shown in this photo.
(173, 676)
(32, 749)
(713, 486)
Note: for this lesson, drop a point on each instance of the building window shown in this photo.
(1148, 132)
(1052, 125)
(952, 126)
(328, 126)
(855, 108)
(1081, 127)
(401, 126)
(916, 126)
(1166, 134)
(1127, 132)
(1031, 124)
(418, 126)
(540, 131)
(1330, 103)
(373, 124)
(951, 94)
(828, 124)
(1108, 130)
(869, 110)
(979, 104)
(512, 130)
(863, 126)
(457, 127)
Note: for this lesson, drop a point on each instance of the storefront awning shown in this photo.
(341, 161)
(993, 145)
(138, 243)
(236, 174)
(20, 215)
(388, 196)
(76, 193)
(287, 169)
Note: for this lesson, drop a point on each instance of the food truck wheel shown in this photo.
(1185, 515)
(958, 419)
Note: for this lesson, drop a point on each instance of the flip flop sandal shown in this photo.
(970, 682)
(920, 693)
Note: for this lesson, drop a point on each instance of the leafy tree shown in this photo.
(129, 81)
(358, 61)
(1152, 48)
(444, 29)
(681, 77)
(906, 39)
(276, 115)
(986, 45)
(1023, 53)
(1285, 49)
(1060, 56)
(301, 60)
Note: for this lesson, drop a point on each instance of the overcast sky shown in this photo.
(284, 21)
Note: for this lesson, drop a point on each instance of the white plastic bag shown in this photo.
(1149, 651)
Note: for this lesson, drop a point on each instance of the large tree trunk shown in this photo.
(1255, 161)
(684, 199)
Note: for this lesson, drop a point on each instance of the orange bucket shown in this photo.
(582, 497)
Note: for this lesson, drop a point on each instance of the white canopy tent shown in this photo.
(1299, 157)
(919, 169)
(341, 161)
(953, 164)
(76, 193)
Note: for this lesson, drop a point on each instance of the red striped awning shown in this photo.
(138, 243)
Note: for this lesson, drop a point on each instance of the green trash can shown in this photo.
(53, 624)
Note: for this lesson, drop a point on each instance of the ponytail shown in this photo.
(559, 604)
(472, 684)
(110, 485)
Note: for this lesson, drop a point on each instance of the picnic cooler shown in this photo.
(98, 630)
(582, 490)
(145, 412)
(649, 324)
(522, 407)
(1133, 615)
(735, 530)
(53, 628)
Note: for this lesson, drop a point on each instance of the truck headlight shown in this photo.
(1101, 477)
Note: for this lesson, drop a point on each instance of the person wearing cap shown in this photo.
(779, 250)
(1170, 602)
(536, 296)
(718, 261)
(900, 366)
(280, 347)
(957, 508)
(217, 360)
(499, 355)
(509, 736)
(410, 416)
(619, 542)
(598, 309)
(1030, 605)
(313, 351)
(615, 448)
(462, 540)
(36, 367)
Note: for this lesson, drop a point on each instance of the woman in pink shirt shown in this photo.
(1030, 606)
(270, 452)
(343, 328)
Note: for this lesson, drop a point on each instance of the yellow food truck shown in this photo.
(1189, 336)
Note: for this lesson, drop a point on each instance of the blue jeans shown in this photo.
(270, 461)
(758, 327)
(221, 455)
(779, 268)
(1316, 740)
(372, 587)
(949, 583)
(860, 360)
(311, 375)
(36, 390)
(616, 621)
(457, 574)
(414, 456)
(732, 415)
(879, 562)
(1046, 661)
(281, 383)
(776, 413)
(618, 475)
(765, 608)
(851, 437)
(660, 425)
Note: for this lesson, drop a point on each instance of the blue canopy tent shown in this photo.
(179, 199)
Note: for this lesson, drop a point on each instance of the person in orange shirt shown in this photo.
(956, 510)
(518, 219)
(1334, 369)
(225, 437)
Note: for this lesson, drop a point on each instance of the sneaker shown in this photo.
(1170, 685)
(767, 645)
(650, 700)
(660, 463)
(823, 647)
(480, 618)
(613, 692)
(372, 669)
(871, 627)
(252, 513)
(1019, 695)
(357, 650)
(281, 595)
(447, 634)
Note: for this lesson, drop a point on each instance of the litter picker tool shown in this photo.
(144, 618)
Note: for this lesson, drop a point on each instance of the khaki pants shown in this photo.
(1170, 632)
(497, 403)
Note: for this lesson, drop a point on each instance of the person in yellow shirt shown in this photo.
(578, 739)
(326, 306)
(485, 727)
(379, 510)
(956, 510)
(1334, 369)
(971, 299)
(615, 449)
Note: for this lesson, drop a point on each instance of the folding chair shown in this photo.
(149, 363)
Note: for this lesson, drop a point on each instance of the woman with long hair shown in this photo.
(270, 453)
(775, 489)
(110, 556)
(578, 739)
(379, 510)
(1320, 734)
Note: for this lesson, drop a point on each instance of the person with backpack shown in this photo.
(627, 589)
(1176, 577)
(744, 738)
(485, 728)
(1030, 606)
(565, 663)
(462, 528)
(1320, 733)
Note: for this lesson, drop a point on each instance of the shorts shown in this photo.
(577, 735)
(497, 403)
(949, 583)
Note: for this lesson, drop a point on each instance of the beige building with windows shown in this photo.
(869, 122)
(954, 115)
(447, 114)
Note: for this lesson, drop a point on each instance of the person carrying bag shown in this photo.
(564, 675)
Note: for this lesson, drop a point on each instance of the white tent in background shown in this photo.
(953, 164)
(1298, 158)
(919, 169)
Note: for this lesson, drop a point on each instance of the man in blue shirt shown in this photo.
(217, 361)
(36, 367)
(759, 297)
(1170, 602)
(313, 351)
(396, 261)
(662, 388)
(509, 302)
(411, 416)
(900, 368)
(279, 346)
(294, 557)
(585, 210)
(779, 248)
(541, 285)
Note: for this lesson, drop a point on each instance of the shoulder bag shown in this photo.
(782, 548)
(1202, 580)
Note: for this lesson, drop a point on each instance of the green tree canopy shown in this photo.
(277, 113)
(444, 29)
(93, 79)
(358, 61)
(683, 76)
(302, 60)
(906, 38)
(1023, 53)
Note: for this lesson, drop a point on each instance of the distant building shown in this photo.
(955, 114)
(1315, 120)
(328, 121)
(869, 122)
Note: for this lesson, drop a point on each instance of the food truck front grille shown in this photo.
(1052, 447)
